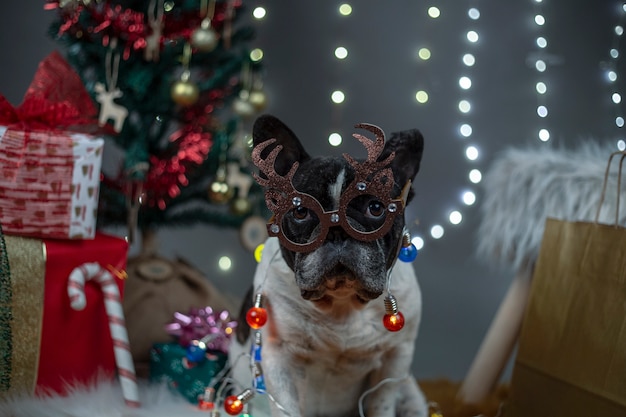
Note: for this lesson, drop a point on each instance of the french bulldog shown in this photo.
(337, 228)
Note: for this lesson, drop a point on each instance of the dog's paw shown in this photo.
(411, 402)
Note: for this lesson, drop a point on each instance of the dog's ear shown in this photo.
(269, 127)
(408, 146)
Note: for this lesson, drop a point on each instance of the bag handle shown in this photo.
(619, 185)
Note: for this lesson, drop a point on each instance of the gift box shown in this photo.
(50, 168)
(168, 363)
(46, 344)
(54, 199)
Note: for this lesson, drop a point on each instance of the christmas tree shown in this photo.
(176, 86)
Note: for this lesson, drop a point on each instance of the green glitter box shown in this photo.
(168, 363)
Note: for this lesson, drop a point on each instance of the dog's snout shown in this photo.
(340, 270)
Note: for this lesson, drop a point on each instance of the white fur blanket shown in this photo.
(104, 399)
(524, 186)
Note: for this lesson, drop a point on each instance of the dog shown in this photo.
(337, 228)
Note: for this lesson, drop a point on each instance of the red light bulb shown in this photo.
(206, 405)
(256, 317)
(206, 401)
(233, 405)
(393, 322)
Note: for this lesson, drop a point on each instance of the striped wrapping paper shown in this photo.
(49, 183)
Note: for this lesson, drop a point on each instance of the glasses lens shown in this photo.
(299, 225)
(366, 213)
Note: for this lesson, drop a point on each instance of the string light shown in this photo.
(225, 263)
(421, 96)
(341, 52)
(335, 139)
(465, 129)
(434, 12)
(540, 65)
(259, 12)
(256, 55)
(345, 9)
(337, 96)
(437, 231)
(418, 242)
(613, 78)
(455, 217)
(469, 198)
(475, 176)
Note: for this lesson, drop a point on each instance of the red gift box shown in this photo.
(74, 347)
(49, 166)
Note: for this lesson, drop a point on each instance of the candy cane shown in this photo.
(117, 325)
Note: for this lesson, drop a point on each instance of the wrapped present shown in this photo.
(194, 362)
(47, 341)
(169, 363)
(50, 168)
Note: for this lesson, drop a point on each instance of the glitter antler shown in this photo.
(374, 150)
(279, 186)
(372, 176)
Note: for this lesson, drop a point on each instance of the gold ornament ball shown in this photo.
(243, 107)
(204, 39)
(220, 192)
(258, 99)
(240, 206)
(184, 93)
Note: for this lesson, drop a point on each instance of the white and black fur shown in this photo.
(324, 344)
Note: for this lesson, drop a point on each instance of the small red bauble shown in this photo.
(393, 322)
(233, 405)
(256, 317)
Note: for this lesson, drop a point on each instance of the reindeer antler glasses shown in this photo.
(368, 195)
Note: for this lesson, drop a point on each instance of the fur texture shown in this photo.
(103, 399)
(524, 186)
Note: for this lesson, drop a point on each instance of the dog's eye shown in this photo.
(375, 209)
(301, 213)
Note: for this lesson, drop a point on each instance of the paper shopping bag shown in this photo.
(571, 359)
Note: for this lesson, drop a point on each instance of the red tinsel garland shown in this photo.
(129, 26)
(169, 173)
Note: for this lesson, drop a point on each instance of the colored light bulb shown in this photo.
(255, 348)
(408, 253)
(259, 384)
(258, 252)
(196, 351)
(206, 405)
(233, 405)
(256, 317)
(206, 401)
(393, 322)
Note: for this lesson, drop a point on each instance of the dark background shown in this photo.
(380, 77)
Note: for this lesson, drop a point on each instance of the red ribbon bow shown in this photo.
(56, 98)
